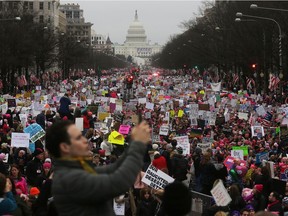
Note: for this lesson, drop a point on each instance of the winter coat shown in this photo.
(79, 192)
(33, 170)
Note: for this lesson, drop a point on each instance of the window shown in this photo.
(41, 19)
(69, 14)
(76, 15)
(41, 5)
(30, 5)
(25, 5)
(49, 19)
(49, 5)
(15, 5)
(1, 5)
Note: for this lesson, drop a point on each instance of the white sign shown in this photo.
(237, 154)
(150, 106)
(183, 142)
(242, 115)
(261, 111)
(155, 178)
(220, 194)
(119, 208)
(20, 140)
(79, 123)
(164, 129)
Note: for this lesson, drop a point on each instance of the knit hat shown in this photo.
(154, 146)
(48, 160)
(38, 151)
(47, 165)
(259, 187)
(250, 207)
(34, 191)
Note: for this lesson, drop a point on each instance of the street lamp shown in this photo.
(255, 6)
(238, 14)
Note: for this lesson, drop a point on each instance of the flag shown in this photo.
(273, 82)
(235, 78)
(250, 83)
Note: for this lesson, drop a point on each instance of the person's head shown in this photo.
(169, 147)
(156, 155)
(64, 139)
(234, 191)
(47, 167)
(258, 188)
(145, 194)
(39, 154)
(244, 212)
(274, 196)
(96, 158)
(176, 199)
(15, 171)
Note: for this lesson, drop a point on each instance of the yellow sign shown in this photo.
(180, 113)
(103, 115)
(116, 138)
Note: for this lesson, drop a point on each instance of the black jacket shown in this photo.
(33, 170)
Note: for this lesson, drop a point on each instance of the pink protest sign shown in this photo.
(124, 129)
(229, 161)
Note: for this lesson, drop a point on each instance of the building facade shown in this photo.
(44, 11)
(76, 25)
(136, 44)
(101, 43)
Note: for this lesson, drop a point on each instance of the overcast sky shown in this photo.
(159, 18)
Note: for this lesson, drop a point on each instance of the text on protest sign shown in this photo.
(155, 178)
(237, 154)
(183, 142)
(20, 140)
(124, 129)
(36, 132)
(164, 130)
(220, 194)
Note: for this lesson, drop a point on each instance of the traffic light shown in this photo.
(129, 81)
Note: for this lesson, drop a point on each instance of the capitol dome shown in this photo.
(136, 32)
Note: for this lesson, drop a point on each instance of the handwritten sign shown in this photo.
(156, 178)
(220, 194)
(36, 132)
(164, 129)
(183, 142)
(124, 129)
(20, 140)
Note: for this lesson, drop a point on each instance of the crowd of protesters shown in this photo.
(26, 175)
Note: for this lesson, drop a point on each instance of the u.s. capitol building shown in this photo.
(136, 44)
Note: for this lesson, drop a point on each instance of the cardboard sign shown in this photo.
(220, 194)
(36, 132)
(164, 130)
(79, 123)
(124, 129)
(155, 178)
(20, 140)
(183, 142)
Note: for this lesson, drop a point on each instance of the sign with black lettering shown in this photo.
(155, 178)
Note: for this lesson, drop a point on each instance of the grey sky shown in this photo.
(159, 18)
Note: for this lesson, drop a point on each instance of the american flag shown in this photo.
(273, 82)
(266, 120)
(249, 83)
(235, 78)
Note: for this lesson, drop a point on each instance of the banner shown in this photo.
(155, 178)
(183, 142)
(20, 140)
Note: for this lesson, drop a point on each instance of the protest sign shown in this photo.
(164, 130)
(155, 178)
(116, 138)
(243, 148)
(262, 156)
(79, 123)
(237, 154)
(229, 161)
(20, 140)
(204, 107)
(257, 131)
(196, 133)
(124, 129)
(220, 194)
(150, 106)
(183, 142)
(204, 146)
(36, 132)
(11, 102)
(242, 115)
(102, 115)
(32, 147)
(261, 111)
(119, 208)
